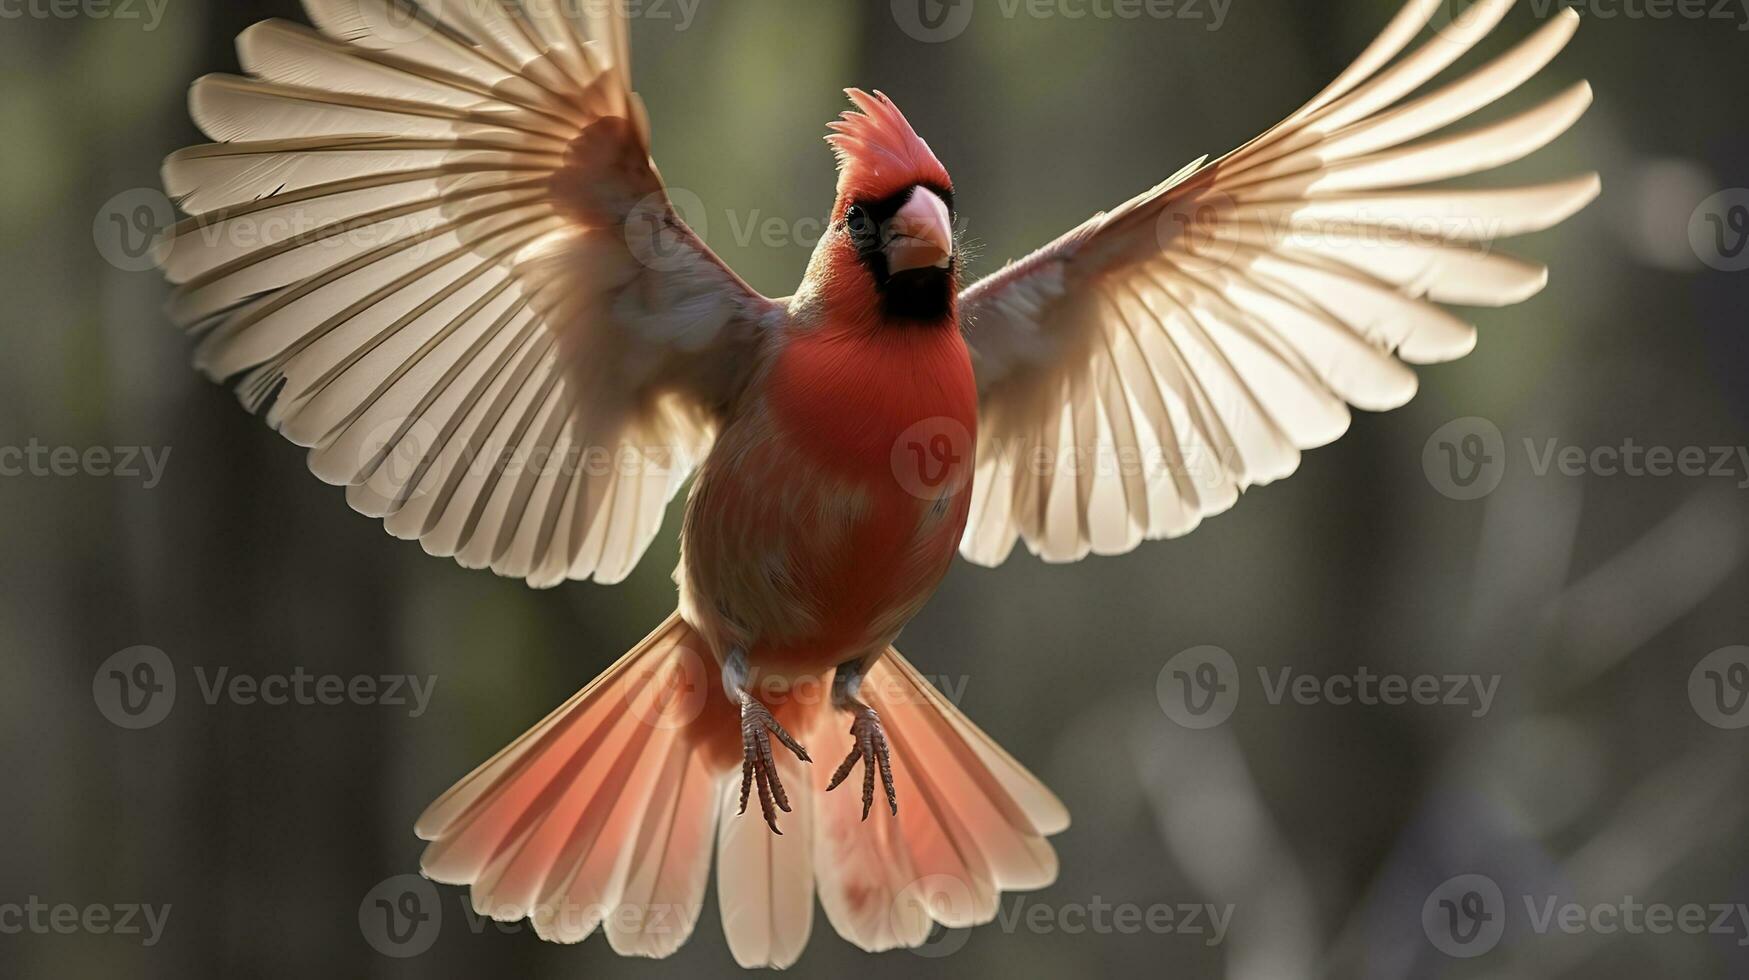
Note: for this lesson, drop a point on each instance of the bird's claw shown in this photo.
(870, 746)
(757, 765)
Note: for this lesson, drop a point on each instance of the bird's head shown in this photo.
(890, 245)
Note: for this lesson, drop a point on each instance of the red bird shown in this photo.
(438, 254)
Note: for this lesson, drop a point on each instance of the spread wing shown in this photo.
(435, 251)
(1139, 373)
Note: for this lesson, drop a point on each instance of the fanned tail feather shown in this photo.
(602, 818)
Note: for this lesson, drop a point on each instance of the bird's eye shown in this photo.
(861, 225)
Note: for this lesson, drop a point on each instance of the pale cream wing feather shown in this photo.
(1141, 372)
(436, 252)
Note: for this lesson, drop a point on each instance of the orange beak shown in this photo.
(920, 236)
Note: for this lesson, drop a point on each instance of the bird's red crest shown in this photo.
(879, 154)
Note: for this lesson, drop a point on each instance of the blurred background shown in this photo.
(1591, 755)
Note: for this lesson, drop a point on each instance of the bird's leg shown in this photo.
(757, 725)
(869, 738)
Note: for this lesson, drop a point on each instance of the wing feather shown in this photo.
(414, 246)
(1192, 342)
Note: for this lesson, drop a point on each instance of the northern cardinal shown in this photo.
(437, 253)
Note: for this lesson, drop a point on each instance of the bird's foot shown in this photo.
(870, 746)
(757, 766)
